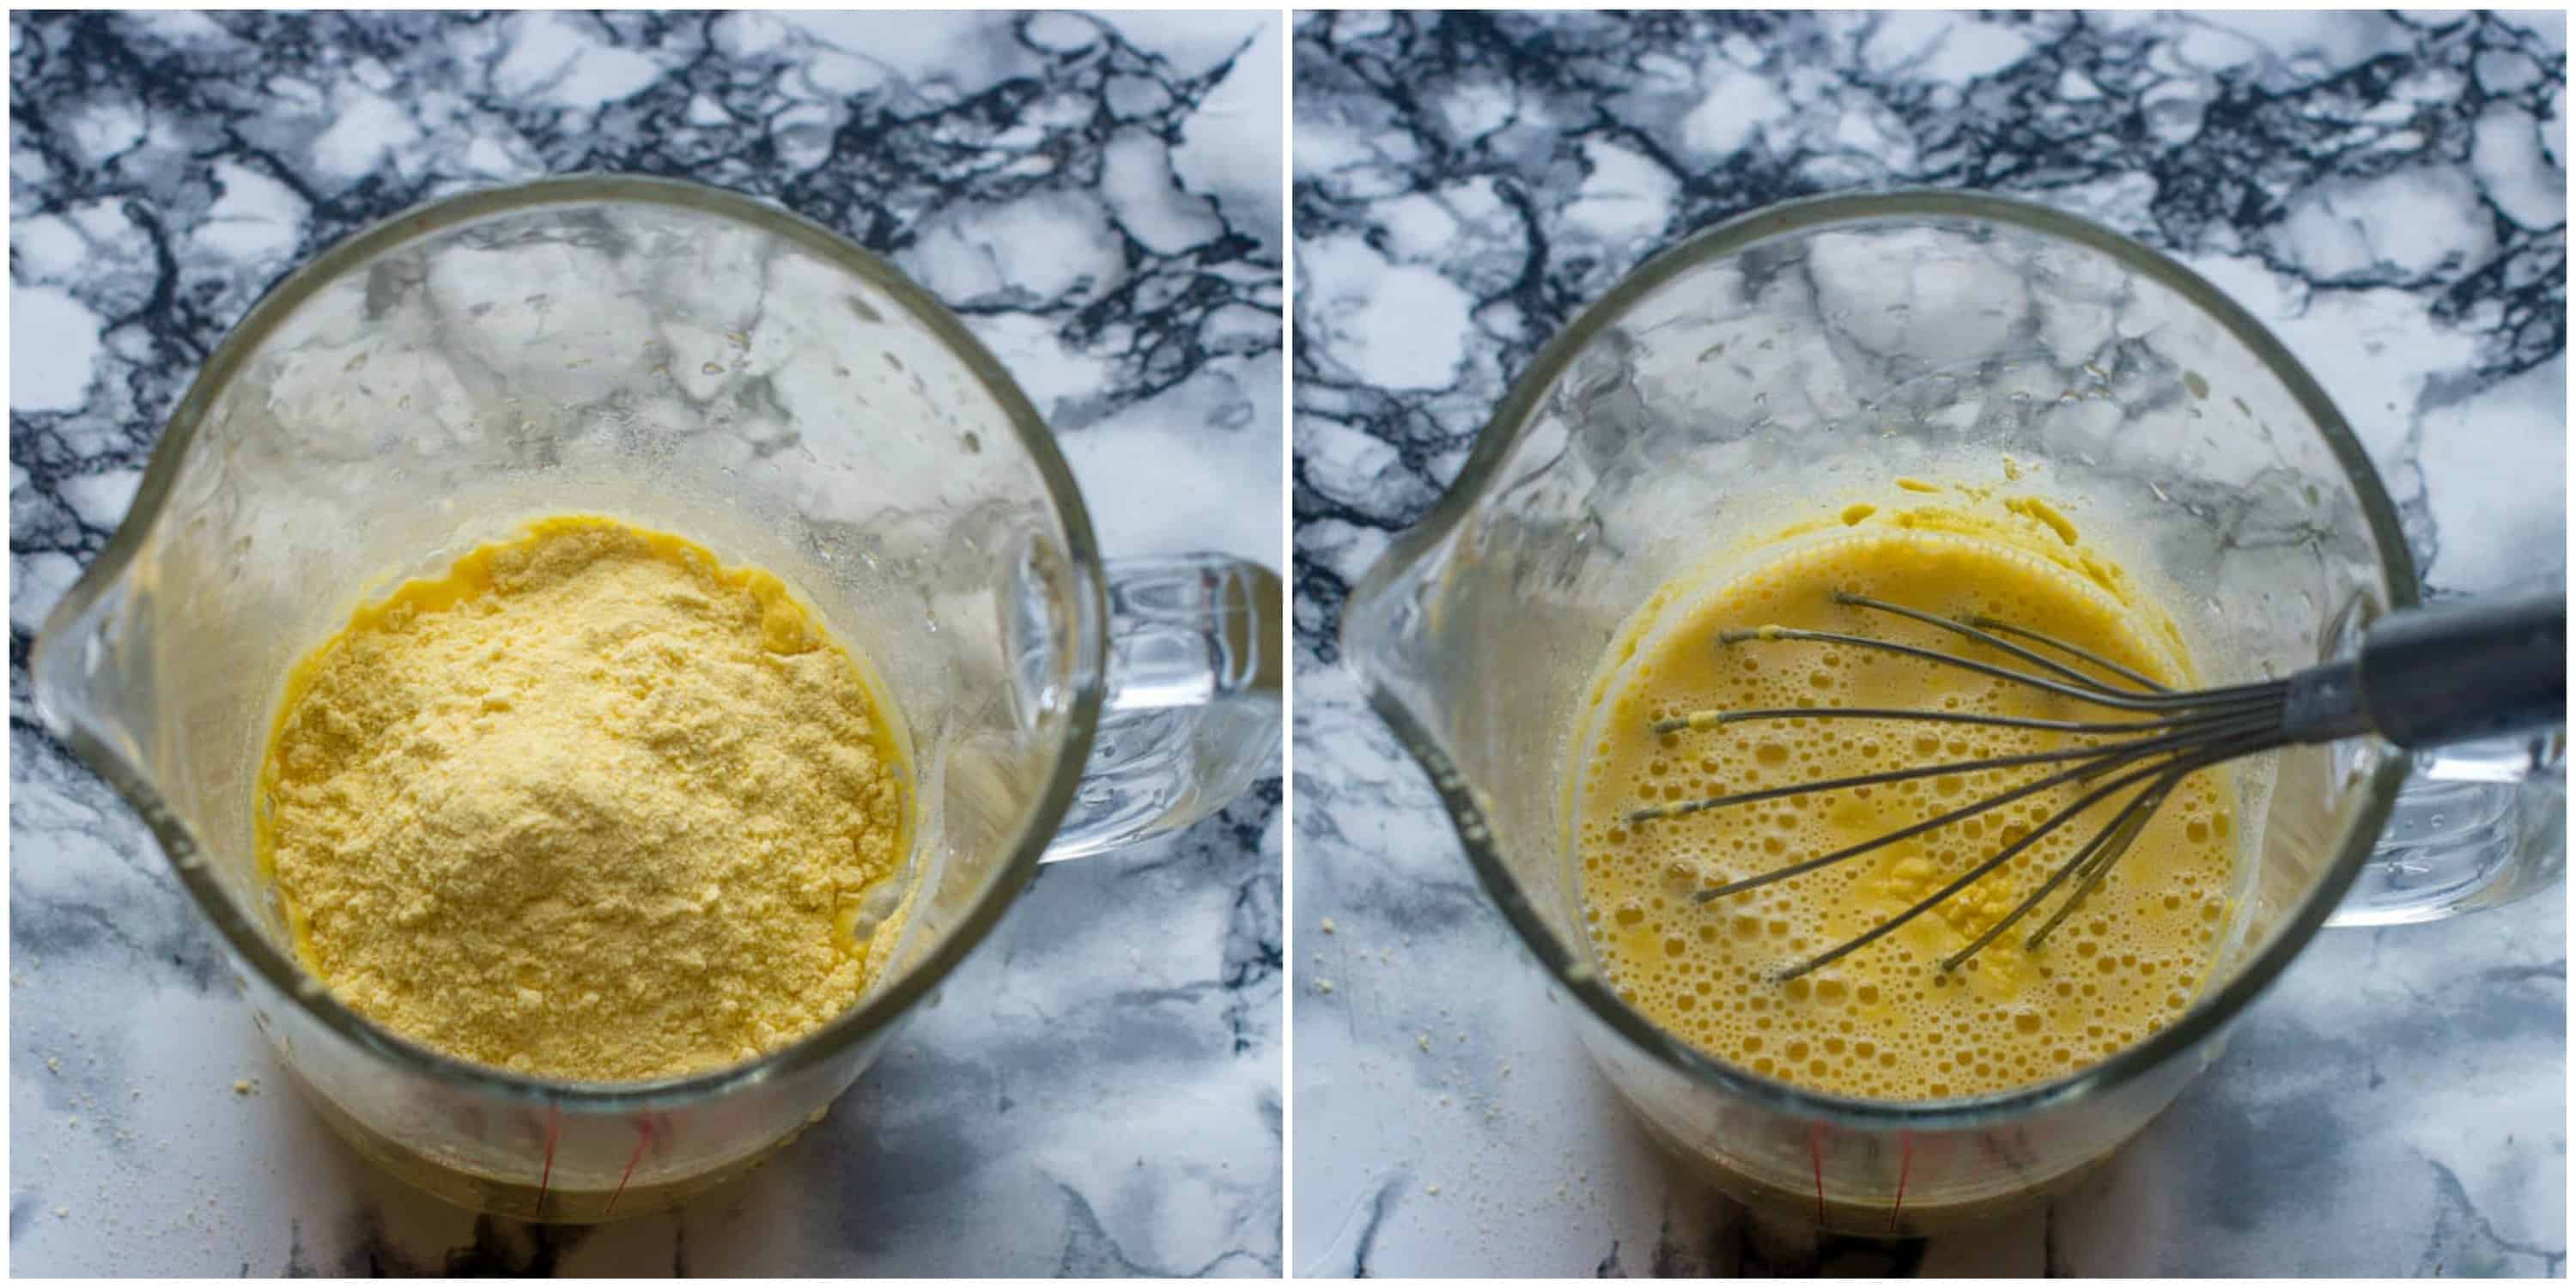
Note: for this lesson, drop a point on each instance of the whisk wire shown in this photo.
(2179, 733)
(2221, 723)
(1985, 623)
(2089, 874)
(2119, 826)
(2105, 849)
(2100, 697)
(1971, 629)
(2251, 744)
(2102, 855)
(2108, 760)
(1701, 721)
(1968, 878)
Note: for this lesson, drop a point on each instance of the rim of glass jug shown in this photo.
(2212, 1010)
(870, 1013)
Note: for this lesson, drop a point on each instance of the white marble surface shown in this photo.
(1098, 1089)
(2386, 193)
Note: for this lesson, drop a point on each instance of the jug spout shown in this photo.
(91, 671)
(1388, 614)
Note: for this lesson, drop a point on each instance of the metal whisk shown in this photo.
(2423, 678)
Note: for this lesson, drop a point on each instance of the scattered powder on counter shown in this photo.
(1423, 1041)
(1328, 925)
(590, 805)
(1323, 986)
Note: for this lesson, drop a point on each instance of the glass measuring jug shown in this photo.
(694, 361)
(1770, 367)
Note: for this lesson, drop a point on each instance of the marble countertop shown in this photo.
(2387, 193)
(1098, 1089)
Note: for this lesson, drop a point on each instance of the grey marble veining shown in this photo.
(2387, 193)
(1098, 1089)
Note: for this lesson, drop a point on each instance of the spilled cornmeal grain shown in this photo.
(590, 805)
(1885, 1023)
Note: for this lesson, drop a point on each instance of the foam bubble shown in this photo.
(1884, 1021)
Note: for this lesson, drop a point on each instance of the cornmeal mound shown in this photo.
(590, 806)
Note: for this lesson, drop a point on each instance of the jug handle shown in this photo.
(1192, 711)
(2476, 825)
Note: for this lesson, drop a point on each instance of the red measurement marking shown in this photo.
(545, 1180)
(643, 1137)
(1904, 1167)
(1816, 1155)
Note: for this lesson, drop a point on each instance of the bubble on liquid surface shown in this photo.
(1884, 1021)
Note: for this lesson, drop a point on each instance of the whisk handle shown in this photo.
(2464, 670)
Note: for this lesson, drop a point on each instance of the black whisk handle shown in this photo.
(2467, 669)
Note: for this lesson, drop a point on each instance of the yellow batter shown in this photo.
(1885, 1022)
(590, 805)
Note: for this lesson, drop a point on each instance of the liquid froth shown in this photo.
(1885, 1022)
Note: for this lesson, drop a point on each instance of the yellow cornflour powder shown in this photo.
(591, 805)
